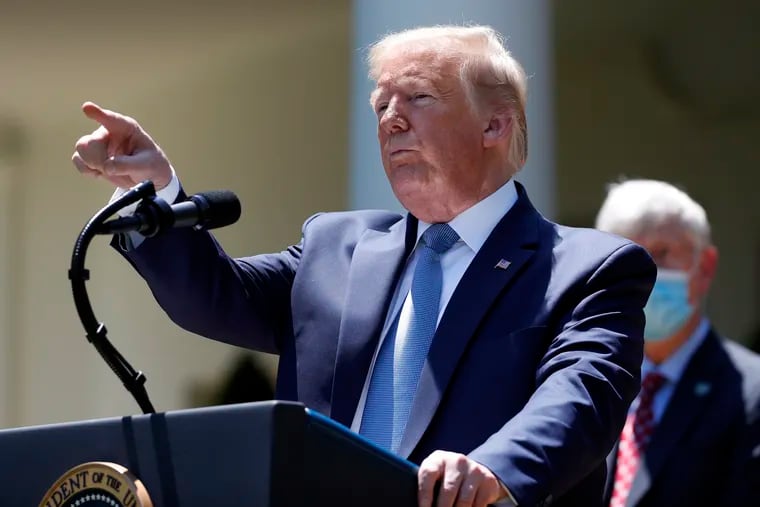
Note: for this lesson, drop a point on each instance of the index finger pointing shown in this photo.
(114, 122)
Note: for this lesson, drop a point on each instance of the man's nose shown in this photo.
(393, 120)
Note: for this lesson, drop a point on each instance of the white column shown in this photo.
(527, 28)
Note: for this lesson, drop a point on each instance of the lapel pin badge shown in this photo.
(702, 388)
(502, 264)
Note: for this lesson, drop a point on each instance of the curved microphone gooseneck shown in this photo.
(133, 380)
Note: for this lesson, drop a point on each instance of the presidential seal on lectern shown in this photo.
(97, 484)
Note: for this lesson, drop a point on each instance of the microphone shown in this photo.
(207, 210)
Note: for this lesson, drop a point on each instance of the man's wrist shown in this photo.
(168, 193)
(131, 240)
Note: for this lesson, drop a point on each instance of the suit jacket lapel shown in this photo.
(692, 392)
(375, 268)
(514, 240)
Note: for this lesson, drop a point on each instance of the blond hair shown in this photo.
(489, 73)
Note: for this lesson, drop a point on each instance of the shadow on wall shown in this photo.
(245, 380)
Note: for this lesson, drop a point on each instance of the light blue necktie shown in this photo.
(399, 362)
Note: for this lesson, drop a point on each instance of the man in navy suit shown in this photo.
(497, 349)
(699, 442)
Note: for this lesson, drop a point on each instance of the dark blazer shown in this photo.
(532, 367)
(706, 448)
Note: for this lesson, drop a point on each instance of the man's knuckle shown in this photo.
(450, 484)
(467, 492)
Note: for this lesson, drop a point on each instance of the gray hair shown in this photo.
(637, 206)
(488, 72)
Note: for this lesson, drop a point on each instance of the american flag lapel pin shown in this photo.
(502, 264)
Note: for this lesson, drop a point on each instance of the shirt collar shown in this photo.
(672, 368)
(475, 224)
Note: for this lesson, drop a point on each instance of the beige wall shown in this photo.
(8, 286)
(250, 102)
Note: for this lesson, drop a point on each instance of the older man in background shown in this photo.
(693, 434)
(497, 349)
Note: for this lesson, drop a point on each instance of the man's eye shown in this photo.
(381, 108)
(421, 96)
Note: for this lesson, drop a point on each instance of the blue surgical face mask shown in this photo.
(668, 307)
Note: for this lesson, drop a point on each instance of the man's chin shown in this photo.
(419, 201)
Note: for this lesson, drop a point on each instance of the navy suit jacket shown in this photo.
(531, 370)
(706, 448)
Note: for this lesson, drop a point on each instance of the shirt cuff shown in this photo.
(169, 194)
(133, 239)
(508, 500)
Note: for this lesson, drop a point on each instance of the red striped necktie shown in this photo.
(634, 439)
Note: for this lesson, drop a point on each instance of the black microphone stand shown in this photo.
(133, 380)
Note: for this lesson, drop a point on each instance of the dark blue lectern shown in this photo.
(276, 454)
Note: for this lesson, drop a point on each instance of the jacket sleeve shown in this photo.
(244, 302)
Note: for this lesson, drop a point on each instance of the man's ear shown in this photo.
(497, 128)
